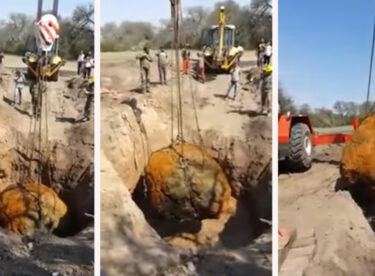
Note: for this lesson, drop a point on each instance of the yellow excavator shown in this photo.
(219, 51)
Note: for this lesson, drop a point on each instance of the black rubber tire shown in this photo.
(299, 158)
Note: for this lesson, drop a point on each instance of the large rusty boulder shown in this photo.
(192, 187)
(24, 208)
(358, 160)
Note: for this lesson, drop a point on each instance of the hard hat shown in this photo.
(47, 31)
(92, 79)
(268, 68)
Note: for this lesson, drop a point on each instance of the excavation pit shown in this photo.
(60, 202)
(193, 199)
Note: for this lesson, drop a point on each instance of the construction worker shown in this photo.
(200, 68)
(90, 88)
(34, 98)
(1, 65)
(260, 52)
(186, 60)
(88, 64)
(234, 81)
(268, 53)
(80, 62)
(145, 63)
(162, 65)
(266, 90)
(19, 81)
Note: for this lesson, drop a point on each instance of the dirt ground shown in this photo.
(133, 126)
(70, 250)
(313, 202)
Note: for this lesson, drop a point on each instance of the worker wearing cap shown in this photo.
(266, 90)
(90, 88)
(162, 65)
(145, 61)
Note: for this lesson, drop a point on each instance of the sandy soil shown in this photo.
(73, 150)
(310, 201)
(129, 135)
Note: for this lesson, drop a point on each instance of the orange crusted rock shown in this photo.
(358, 160)
(25, 208)
(192, 187)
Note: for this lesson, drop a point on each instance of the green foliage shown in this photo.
(253, 22)
(126, 36)
(76, 33)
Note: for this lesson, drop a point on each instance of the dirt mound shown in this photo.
(30, 206)
(129, 246)
(191, 187)
(358, 160)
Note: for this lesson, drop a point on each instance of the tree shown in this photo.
(286, 103)
(305, 109)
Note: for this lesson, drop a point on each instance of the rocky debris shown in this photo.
(48, 254)
(358, 159)
(194, 187)
(27, 207)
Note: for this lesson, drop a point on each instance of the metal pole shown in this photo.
(55, 7)
(39, 12)
(370, 73)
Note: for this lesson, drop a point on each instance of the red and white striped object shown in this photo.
(47, 31)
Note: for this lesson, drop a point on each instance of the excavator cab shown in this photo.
(213, 36)
(220, 52)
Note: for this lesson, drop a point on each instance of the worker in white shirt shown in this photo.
(268, 54)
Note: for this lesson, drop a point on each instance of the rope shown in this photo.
(176, 9)
(172, 103)
(195, 110)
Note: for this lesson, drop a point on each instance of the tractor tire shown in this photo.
(300, 148)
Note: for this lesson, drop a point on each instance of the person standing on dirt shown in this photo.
(90, 88)
(80, 62)
(162, 65)
(260, 52)
(200, 68)
(234, 82)
(88, 66)
(268, 53)
(266, 90)
(1, 65)
(145, 61)
(186, 60)
(19, 81)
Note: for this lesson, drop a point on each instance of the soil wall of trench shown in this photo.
(130, 241)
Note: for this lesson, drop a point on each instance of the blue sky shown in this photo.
(324, 50)
(146, 10)
(66, 7)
